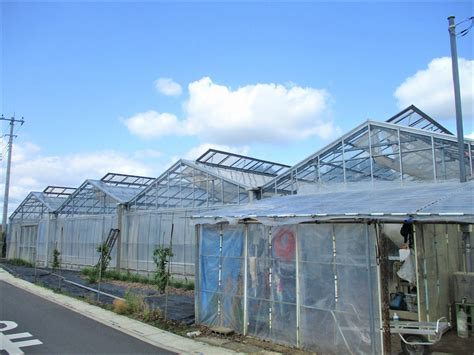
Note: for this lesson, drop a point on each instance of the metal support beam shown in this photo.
(457, 97)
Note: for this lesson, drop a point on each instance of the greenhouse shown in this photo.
(29, 219)
(74, 221)
(316, 271)
(150, 212)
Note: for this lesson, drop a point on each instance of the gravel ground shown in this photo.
(178, 305)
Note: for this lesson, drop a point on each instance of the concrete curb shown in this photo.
(139, 330)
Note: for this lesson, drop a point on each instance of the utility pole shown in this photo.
(457, 98)
(12, 120)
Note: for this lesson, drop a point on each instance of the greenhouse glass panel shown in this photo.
(190, 184)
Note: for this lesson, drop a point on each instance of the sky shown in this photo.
(130, 87)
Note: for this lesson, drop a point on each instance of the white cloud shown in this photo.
(152, 124)
(271, 113)
(431, 89)
(168, 87)
(147, 153)
(32, 171)
(470, 136)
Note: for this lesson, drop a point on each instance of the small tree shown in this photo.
(56, 264)
(104, 251)
(161, 258)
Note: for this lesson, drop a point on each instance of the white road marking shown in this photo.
(18, 336)
(6, 342)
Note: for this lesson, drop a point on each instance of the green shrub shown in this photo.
(56, 264)
(104, 250)
(161, 258)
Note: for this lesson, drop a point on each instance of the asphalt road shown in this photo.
(60, 330)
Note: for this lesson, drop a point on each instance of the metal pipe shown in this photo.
(245, 327)
(371, 290)
(457, 97)
(90, 288)
(298, 290)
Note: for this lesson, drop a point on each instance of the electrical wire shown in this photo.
(466, 30)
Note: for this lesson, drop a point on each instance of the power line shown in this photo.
(465, 31)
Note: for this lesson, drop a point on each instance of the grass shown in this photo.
(186, 284)
(92, 275)
(20, 262)
(88, 271)
(135, 305)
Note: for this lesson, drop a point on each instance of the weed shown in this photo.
(92, 278)
(135, 278)
(177, 283)
(189, 285)
(120, 306)
(147, 280)
(151, 315)
(112, 274)
(135, 303)
(87, 271)
(20, 262)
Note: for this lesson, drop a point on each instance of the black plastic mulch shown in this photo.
(177, 307)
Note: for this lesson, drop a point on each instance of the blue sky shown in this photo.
(83, 74)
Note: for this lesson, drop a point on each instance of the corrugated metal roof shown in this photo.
(451, 201)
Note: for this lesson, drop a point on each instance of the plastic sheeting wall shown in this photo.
(145, 231)
(22, 242)
(311, 285)
(77, 239)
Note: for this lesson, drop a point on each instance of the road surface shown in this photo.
(33, 325)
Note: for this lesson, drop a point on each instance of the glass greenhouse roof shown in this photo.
(379, 151)
(217, 158)
(114, 179)
(215, 178)
(102, 196)
(38, 204)
(188, 185)
(413, 117)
